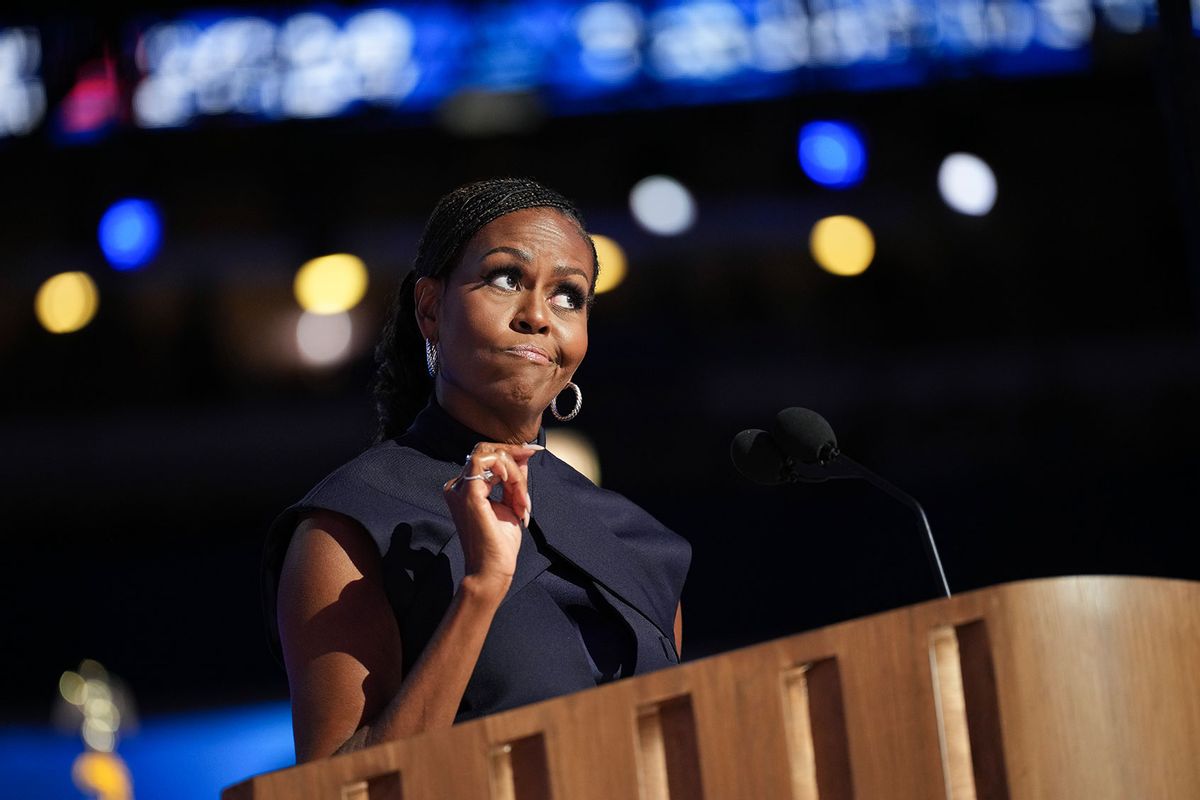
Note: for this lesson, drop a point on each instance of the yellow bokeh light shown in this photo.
(66, 302)
(842, 245)
(575, 449)
(612, 263)
(331, 284)
(102, 775)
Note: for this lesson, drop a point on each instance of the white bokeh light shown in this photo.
(662, 205)
(22, 93)
(324, 339)
(967, 184)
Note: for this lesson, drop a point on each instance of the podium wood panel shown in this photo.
(1080, 687)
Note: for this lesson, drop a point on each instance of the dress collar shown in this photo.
(436, 433)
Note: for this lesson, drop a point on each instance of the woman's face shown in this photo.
(511, 325)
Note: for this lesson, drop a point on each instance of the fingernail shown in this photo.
(534, 447)
(526, 519)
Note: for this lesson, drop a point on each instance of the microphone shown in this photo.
(756, 456)
(804, 449)
(806, 435)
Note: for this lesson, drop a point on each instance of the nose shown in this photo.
(531, 315)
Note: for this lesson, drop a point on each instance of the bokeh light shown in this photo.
(22, 92)
(324, 339)
(832, 154)
(93, 102)
(99, 706)
(66, 302)
(331, 284)
(102, 775)
(575, 449)
(72, 687)
(98, 734)
(842, 245)
(662, 205)
(613, 266)
(967, 184)
(130, 233)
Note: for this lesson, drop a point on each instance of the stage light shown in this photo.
(612, 263)
(967, 184)
(575, 449)
(842, 245)
(832, 154)
(323, 339)
(662, 205)
(130, 233)
(331, 284)
(66, 302)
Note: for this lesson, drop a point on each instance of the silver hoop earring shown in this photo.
(574, 411)
(431, 358)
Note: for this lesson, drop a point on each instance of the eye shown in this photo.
(508, 279)
(568, 296)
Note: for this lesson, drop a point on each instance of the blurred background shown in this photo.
(965, 231)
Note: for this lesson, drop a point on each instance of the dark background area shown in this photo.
(1033, 376)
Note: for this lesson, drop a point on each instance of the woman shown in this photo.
(457, 568)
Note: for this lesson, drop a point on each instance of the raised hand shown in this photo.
(490, 531)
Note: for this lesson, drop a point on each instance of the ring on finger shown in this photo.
(486, 475)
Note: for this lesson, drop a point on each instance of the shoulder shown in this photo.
(624, 518)
(359, 504)
(383, 486)
(386, 472)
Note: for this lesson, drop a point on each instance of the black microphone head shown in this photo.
(805, 435)
(756, 456)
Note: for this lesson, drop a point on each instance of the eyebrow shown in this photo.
(512, 251)
(562, 270)
(525, 257)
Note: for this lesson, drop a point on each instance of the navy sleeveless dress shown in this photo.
(597, 578)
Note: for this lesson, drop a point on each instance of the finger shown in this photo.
(496, 469)
(521, 455)
(500, 467)
(489, 453)
(516, 486)
(479, 468)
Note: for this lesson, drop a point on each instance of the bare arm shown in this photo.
(341, 644)
(343, 651)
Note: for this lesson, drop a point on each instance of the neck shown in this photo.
(518, 427)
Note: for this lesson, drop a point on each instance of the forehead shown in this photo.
(543, 233)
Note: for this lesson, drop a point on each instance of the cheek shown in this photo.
(468, 323)
(575, 344)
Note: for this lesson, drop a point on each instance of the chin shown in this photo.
(523, 394)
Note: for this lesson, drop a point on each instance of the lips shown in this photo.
(531, 353)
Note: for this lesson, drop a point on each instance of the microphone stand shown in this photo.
(835, 464)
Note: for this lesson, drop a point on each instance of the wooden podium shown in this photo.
(1081, 688)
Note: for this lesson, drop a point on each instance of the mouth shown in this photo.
(531, 353)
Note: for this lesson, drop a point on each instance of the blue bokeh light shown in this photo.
(130, 232)
(832, 154)
(186, 756)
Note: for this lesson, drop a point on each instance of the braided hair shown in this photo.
(402, 384)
